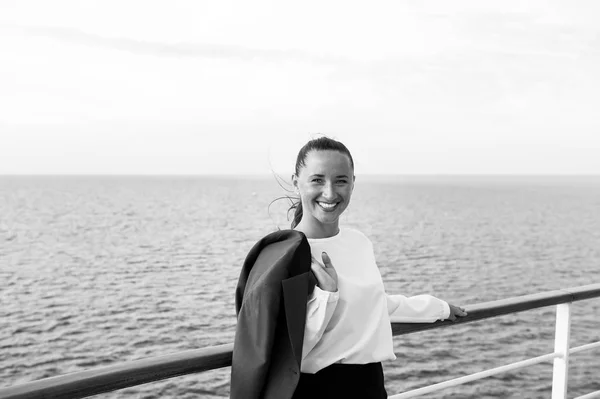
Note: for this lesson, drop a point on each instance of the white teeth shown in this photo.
(326, 205)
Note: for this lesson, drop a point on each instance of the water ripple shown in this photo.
(97, 271)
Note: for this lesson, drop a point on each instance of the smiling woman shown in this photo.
(307, 329)
(324, 179)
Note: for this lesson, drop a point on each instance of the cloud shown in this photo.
(181, 49)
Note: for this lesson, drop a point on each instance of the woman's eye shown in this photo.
(317, 180)
(342, 181)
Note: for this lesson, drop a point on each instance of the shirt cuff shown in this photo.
(445, 311)
(327, 295)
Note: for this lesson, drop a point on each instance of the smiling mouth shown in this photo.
(328, 207)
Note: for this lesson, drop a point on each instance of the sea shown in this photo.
(101, 270)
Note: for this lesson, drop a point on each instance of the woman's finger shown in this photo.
(318, 270)
(458, 309)
(324, 280)
(326, 259)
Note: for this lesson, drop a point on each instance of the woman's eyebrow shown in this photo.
(319, 175)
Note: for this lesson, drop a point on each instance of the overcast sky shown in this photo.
(219, 87)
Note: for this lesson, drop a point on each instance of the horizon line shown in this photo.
(276, 174)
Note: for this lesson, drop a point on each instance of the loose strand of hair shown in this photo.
(280, 182)
(293, 201)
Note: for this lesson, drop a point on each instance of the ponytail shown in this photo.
(297, 214)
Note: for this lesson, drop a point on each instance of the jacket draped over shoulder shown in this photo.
(270, 302)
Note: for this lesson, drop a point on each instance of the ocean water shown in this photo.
(101, 270)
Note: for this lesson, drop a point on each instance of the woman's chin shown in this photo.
(328, 219)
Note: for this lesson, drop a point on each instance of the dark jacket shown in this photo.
(270, 302)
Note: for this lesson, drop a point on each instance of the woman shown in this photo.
(307, 329)
(347, 331)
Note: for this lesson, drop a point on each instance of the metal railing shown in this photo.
(111, 378)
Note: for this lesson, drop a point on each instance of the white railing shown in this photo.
(106, 379)
(560, 374)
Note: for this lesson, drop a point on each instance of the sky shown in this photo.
(237, 87)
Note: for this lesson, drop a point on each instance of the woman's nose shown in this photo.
(328, 191)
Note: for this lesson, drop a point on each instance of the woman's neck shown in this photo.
(322, 231)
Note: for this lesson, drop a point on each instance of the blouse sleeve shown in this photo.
(416, 309)
(319, 309)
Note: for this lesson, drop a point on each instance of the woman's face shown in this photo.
(325, 186)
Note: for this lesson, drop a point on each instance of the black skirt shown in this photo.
(363, 381)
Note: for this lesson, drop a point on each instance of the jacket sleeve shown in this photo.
(416, 309)
(257, 307)
(319, 309)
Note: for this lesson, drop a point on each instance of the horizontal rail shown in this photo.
(110, 378)
(490, 372)
(502, 307)
(590, 395)
(584, 347)
(474, 377)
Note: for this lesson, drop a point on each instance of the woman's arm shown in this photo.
(416, 309)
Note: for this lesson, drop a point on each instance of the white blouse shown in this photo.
(352, 325)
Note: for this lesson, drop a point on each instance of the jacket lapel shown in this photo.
(295, 292)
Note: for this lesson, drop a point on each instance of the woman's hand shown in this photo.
(455, 312)
(325, 273)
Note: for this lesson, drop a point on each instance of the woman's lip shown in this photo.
(334, 207)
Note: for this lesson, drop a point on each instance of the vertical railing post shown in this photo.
(560, 374)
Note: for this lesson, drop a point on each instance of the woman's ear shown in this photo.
(295, 183)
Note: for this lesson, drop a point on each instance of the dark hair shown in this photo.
(319, 144)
